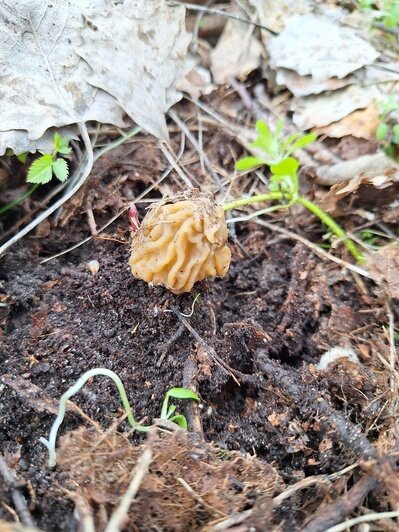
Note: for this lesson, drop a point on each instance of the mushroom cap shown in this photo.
(182, 240)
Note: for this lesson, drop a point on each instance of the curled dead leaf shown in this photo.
(384, 267)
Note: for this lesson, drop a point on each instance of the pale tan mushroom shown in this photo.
(181, 241)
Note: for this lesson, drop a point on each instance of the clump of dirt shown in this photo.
(189, 483)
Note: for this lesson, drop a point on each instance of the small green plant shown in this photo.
(384, 11)
(284, 183)
(388, 130)
(41, 171)
(168, 412)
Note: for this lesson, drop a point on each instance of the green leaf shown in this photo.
(61, 144)
(57, 141)
(303, 141)
(171, 411)
(60, 168)
(180, 420)
(279, 127)
(288, 167)
(182, 393)
(382, 131)
(22, 157)
(262, 128)
(40, 171)
(395, 132)
(246, 163)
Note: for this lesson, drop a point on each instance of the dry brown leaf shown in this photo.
(236, 54)
(360, 124)
(384, 266)
(324, 109)
(362, 191)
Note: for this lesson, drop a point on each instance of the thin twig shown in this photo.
(173, 161)
(316, 249)
(19, 500)
(112, 220)
(362, 519)
(213, 11)
(209, 350)
(196, 145)
(118, 517)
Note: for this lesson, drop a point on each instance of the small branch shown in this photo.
(330, 514)
(212, 11)
(118, 517)
(363, 519)
(19, 500)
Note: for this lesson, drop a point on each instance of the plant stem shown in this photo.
(19, 200)
(312, 207)
(254, 199)
(335, 228)
(50, 443)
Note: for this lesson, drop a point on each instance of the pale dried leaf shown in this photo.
(19, 142)
(322, 110)
(384, 267)
(274, 15)
(141, 76)
(45, 83)
(306, 85)
(197, 82)
(360, 124)
(313, 45)
(236, 54)
(367, 165)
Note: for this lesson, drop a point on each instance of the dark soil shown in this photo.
(268, 419)
(269, 319)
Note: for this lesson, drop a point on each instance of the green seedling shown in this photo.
(384, 11)
(168, 412)
(41, 171)
(284, 182)
(388, 130)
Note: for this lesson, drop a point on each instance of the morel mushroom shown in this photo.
(181, 241)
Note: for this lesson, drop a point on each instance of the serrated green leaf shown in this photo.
(382, 131)
(246, 163)
(40, 171)
(60, 169)
(180, 420)
(288, 167)
(182, 393)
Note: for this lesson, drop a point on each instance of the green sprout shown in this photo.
(388, 130)
(385, 11)
(168, 412)
(41, 171)
(284, 183)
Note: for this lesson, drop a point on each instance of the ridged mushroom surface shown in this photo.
(181, 241)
